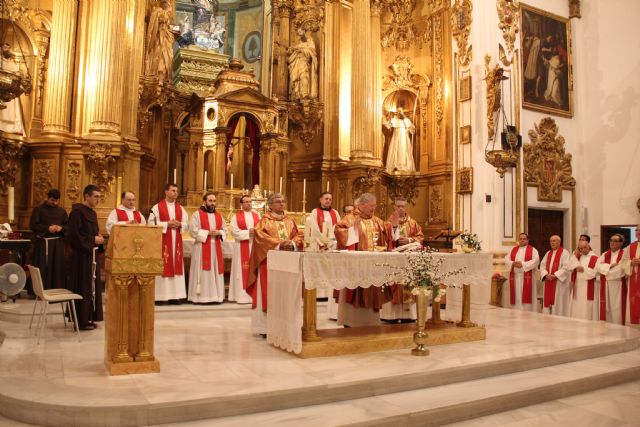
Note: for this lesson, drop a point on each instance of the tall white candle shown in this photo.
(327, 186)
(280, 188)
(175, 176)
(205, 180)
(11, 204)
(304, 189)
(232, 181)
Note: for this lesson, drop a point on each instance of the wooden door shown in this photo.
(542, 225)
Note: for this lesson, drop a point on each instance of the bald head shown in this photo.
(555, 241)
(584, 247)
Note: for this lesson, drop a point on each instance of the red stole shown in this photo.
(550, 284)
(206, 246)
(527, 287)
(172, 265)
(123, 217)
(634, 287)
(320, 218)
(590, 283)
(603, 288)
(245, 247)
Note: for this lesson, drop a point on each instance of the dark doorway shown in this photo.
(606, 231)
(542, 225)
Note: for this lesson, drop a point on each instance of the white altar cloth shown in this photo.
(350, 269)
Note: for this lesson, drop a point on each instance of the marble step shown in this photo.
(445, 404)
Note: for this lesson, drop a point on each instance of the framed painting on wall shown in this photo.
(464, 181)
(546, 62)
(252, 46)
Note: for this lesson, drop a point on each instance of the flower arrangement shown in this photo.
(422, 274)
(469, 240)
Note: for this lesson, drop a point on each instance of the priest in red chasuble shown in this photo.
(125, 213)
(361, 230)
(275, 231)
(406, 230)
(631, 263)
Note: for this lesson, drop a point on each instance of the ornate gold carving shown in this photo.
(502, 160)
(145, 319)
(461, 27)
(309, 15)
(546, 165)
(436, 203)
(400, 76)
(140, 266)
(306, 117)
(11, 151)
(508, 16)
(402, 32)
(493, 77)
(42, 174)
(122, 283)
(101, 164)
(151, 94)
(197, 70)
(365, 184)
(405, 187)
(464, 181)
(439, 72)
(437, 5)
(574, 9)
(74, 174)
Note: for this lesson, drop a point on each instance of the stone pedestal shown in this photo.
(134, 258)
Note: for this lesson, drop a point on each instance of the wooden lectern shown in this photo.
(134, 258)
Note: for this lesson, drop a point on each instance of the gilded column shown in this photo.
(106, 67)
(281, 37)
(134, 46)
(361, 89)
(59, 83)
(376, 84)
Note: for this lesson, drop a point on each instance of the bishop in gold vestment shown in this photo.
(358, 231)
(275, 231)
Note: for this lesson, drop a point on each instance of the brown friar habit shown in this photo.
(81, 232)
(52, 267)
(371, 297)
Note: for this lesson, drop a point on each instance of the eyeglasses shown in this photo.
(615, 240)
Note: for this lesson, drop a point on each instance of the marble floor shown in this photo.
(209, 355)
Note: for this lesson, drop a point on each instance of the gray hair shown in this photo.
(273, 196)
(365, 198)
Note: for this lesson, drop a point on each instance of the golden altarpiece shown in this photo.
(108, 108)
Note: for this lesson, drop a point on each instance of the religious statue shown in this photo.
(303, 68)
(159, 55)
(493, 77)
(400, 155)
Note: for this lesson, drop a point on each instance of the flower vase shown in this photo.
(420, 337)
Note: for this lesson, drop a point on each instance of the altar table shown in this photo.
(288, 271)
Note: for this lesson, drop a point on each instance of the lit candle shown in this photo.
(11, 205)
(304, 189)
(205, 180)
(327, 186)
(280, 190)
(175, 176)
(231, 181)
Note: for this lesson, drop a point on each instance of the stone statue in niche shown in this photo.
(400, 155)
(159, 54)
(303, 69)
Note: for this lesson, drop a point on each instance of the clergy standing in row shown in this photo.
(612, 291)
(522, 263)
(125, 213)
(555, 273)
(174, 220)
(83, 234)
(583, 282)
(275, 231)
(48, 222)
(206, 279)
(406, 230)
(242, 229)
(632, 270)
(361, 230)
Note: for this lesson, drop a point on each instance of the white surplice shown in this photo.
(236, 287)
(112, 219)
(613, 289)
(581, 306)
(170, 287)
(531, 265)
(561, 306)
(205, 286)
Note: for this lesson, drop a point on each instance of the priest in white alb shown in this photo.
(583, 282)
(631, 263)
(170, 285)
(612, 292)
(206, 275)
(555, 273)
(242, 229)
(522, 263)
(125, 213)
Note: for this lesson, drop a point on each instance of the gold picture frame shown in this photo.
(464, 181)
(465, 89)
(547, 83)
(465, 134)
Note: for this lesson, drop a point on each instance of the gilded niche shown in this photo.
(546, 165)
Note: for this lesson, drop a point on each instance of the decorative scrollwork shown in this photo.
(508, 17)
(309, 15)
(400, 76)
(365, 184)
(546, 165)
(402, 32)
(461, 28)
(404, 187)
(306, 117)
(11, 151)
(436, 203)
(42, 174)
(101, 163)
(74, 175)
